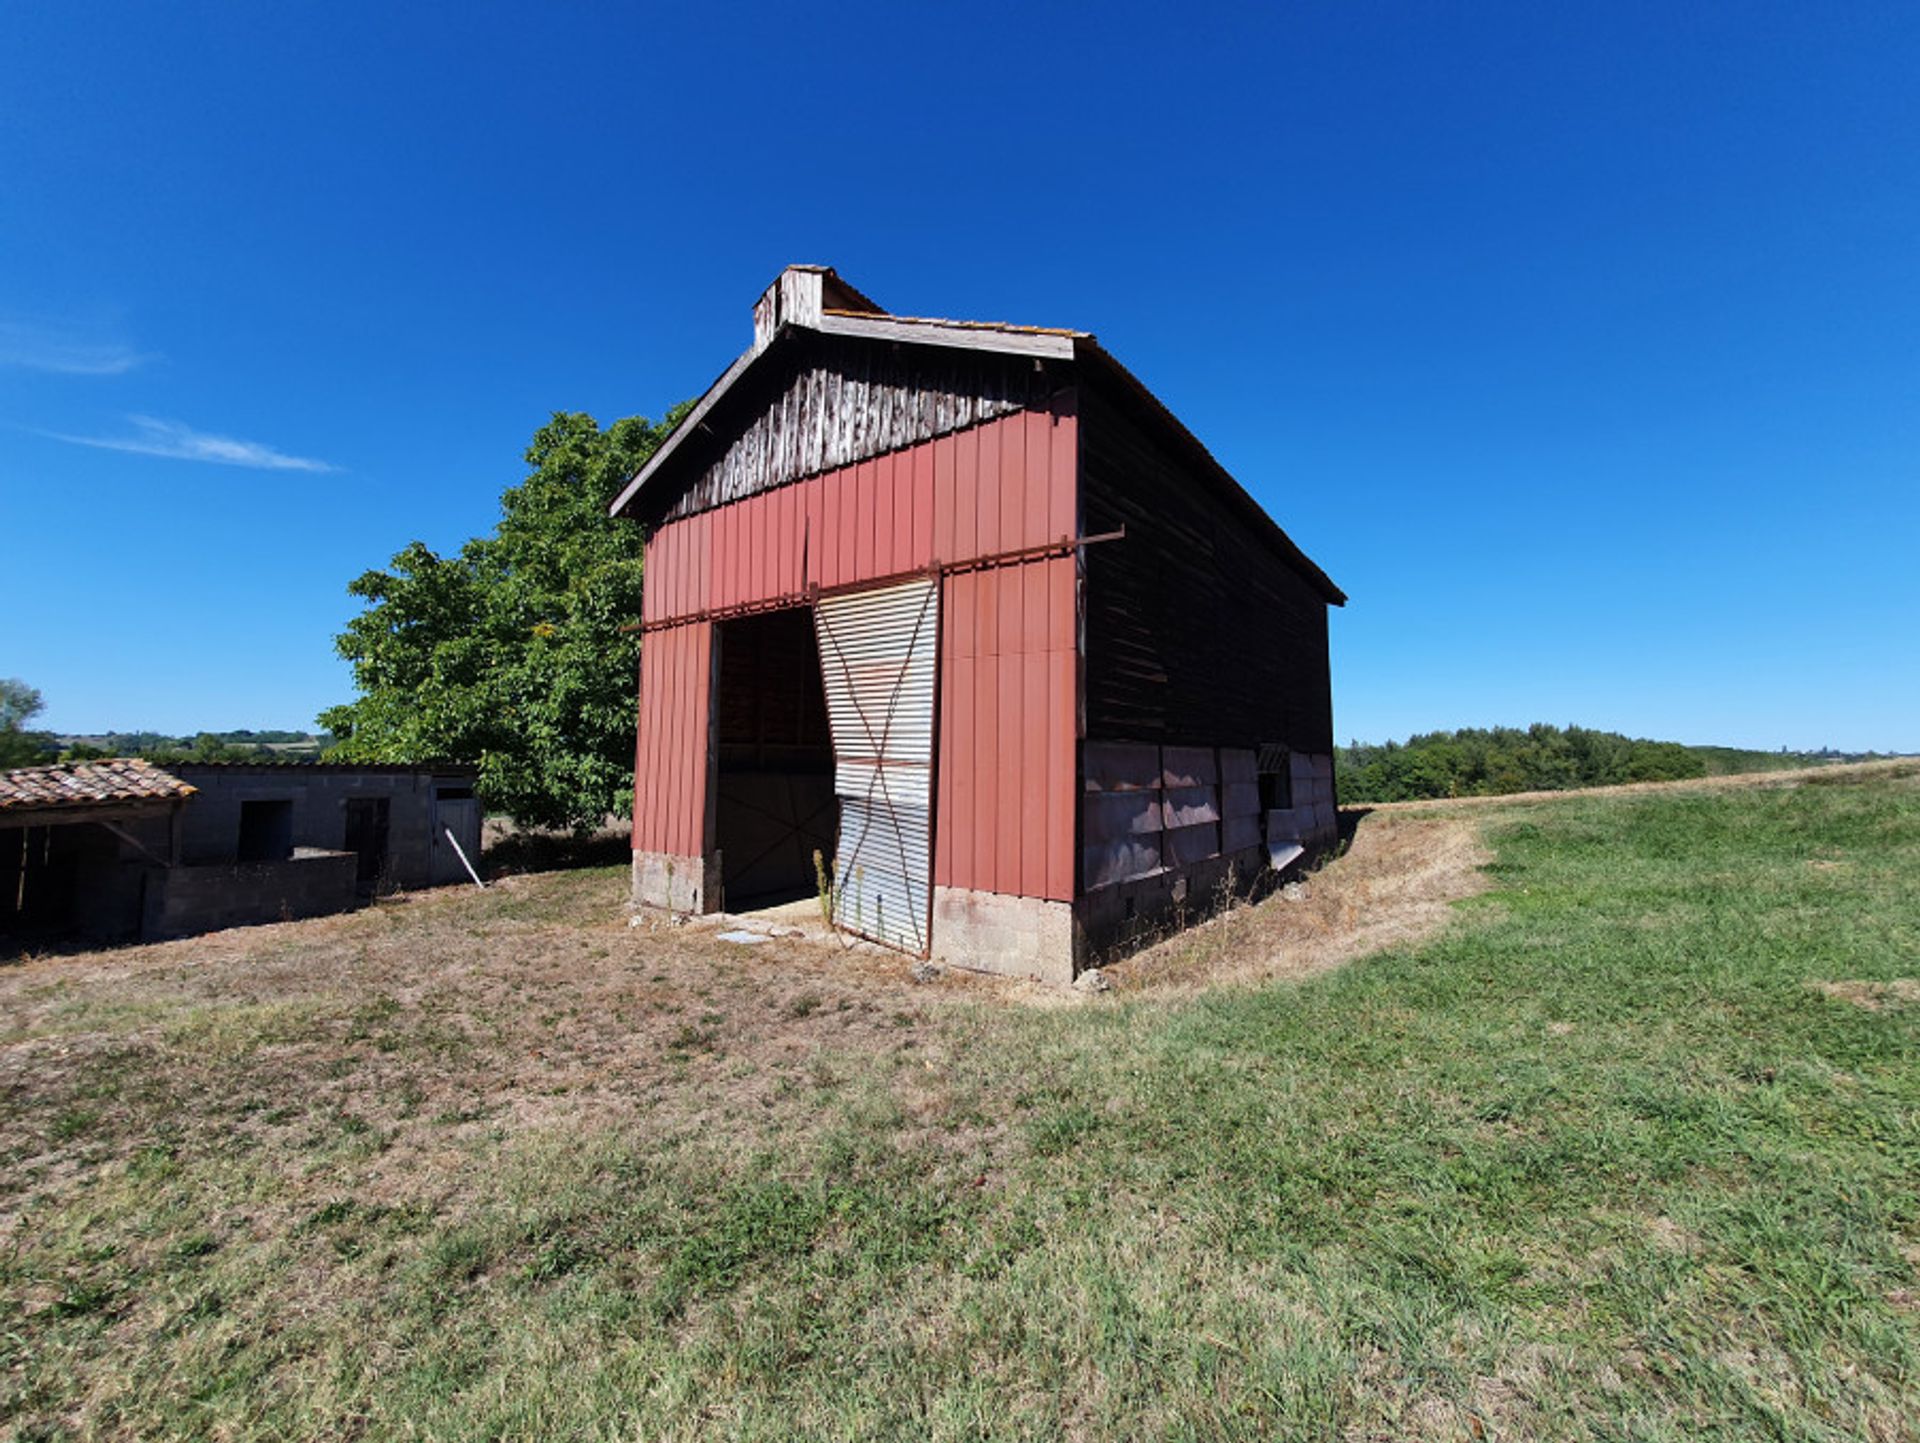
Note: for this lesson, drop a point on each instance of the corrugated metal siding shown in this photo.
(1006, 779)
(999, 487)
(672, 751)
(1007, 731)
(878, 661)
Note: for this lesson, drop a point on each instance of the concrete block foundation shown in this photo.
(1011, 936)
(677, 884)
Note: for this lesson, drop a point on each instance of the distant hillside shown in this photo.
(1485, 762)
(230, 746)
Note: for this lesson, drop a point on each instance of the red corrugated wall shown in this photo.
(670, 760)
(1008, 706)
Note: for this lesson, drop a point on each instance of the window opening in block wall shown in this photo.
(266, 831)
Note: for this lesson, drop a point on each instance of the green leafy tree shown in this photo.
(20, 704)
(510, 653)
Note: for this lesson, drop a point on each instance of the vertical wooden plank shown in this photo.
(829, 536)
(650, 579)
(812, 532)
(643, 749)
(966, 496)
(645, 790)
(987, 490)
(944, 451)
(1037, 778)
(1063, 469)
(775, 579)
(944, 765)
(640, 745)
(668, 772)
(846, 525)
(682, 568)
(1015, 763)
(987, 759)
(733, 548)
(923, 506)
(866, 480)
(699, 561)
(669, 597)
(789, 540)
(1016, 526)
(959, 739)
(687, 567)
(884, 536)
(683, 711)
(1062, 783)
(754, 516)
(726, 555)
(1036, 606)
(701, 735)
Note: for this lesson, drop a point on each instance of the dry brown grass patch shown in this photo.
(1393, 886)
(1873, 996)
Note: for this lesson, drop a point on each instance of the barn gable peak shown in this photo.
(799, 296)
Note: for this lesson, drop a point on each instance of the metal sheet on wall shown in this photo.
(879, 661)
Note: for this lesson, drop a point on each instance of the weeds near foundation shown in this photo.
(827, 893)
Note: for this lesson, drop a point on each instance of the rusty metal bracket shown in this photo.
(809, 593)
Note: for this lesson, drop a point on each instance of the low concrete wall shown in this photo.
(1013, 936)
(679, 884)
(182, 901)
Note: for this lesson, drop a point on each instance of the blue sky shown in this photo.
(1580, 344)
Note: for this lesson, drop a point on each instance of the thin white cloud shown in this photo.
(64, 350)
(154, 437)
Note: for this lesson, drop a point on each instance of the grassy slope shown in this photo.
(1596, 1163)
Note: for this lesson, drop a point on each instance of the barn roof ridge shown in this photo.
(1002, 337)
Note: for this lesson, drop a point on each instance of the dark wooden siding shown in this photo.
(837, 401)
(1197, 632)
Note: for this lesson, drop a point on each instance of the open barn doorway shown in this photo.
(775, 797)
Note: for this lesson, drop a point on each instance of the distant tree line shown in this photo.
(242, 745)
(1494, 761)
(23, 746)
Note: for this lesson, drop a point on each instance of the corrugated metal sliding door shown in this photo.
(879, 660)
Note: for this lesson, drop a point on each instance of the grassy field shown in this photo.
(1627, 1148)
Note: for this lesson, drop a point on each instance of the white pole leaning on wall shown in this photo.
(463, 859)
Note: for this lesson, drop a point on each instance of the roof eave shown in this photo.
(1089, 348)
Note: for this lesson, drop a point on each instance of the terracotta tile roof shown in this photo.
(88, 784)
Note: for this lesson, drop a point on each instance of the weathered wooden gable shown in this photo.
(849, 401)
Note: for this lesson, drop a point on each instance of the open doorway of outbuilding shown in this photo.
(775, 804)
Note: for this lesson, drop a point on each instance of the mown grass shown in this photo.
(1599, 1162)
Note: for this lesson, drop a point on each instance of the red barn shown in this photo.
(964, 610)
